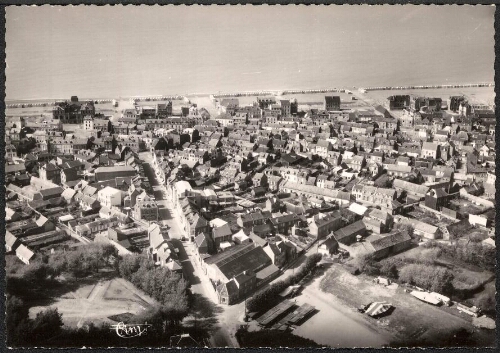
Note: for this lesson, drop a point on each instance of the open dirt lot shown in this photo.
(95, 302)
(411, 321)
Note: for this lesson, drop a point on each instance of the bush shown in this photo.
(487, 303)
(475, 254)
(366, 264)
(436, 279)
(389, 269)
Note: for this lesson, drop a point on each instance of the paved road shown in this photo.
(200, 284)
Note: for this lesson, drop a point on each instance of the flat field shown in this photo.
(97, 301)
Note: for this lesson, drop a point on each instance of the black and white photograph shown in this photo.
(249, 176)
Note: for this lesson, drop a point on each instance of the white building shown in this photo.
(109, 197)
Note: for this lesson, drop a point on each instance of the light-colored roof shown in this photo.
(123, 168)
(358, 209)
(108, 190)
(182, 186)
(335, 194)
(24, 252)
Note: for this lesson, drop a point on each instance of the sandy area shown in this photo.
(411, 319)
(336, 325)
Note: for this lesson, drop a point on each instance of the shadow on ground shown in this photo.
(203, 313)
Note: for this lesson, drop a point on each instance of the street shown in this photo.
(200, 284)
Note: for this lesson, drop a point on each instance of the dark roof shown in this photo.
(349, 230)
(332, 99)
(52, 191)
(246, 260)
(390, 240)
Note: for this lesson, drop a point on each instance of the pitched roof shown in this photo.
(349, 230)
(24, 252)
(390, 240)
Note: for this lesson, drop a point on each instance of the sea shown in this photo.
(119, 52)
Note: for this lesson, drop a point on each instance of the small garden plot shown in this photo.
(116, 291)
(466, 207)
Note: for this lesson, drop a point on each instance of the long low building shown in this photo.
(315, 191)
(108, 173)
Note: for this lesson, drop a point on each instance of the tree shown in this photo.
(25, 146)
(389, 269)
(35, 273)
(406, 228)
(17, 321)
(90, 143)
(47, 324)
(24, 131)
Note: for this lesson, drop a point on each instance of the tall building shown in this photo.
(332, 103)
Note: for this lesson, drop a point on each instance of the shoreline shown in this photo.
(17, 103)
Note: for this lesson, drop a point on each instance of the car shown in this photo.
(183, 239)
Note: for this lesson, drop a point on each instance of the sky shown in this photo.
(120, 51)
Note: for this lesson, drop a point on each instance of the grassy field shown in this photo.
(96, 301)
(412, 321)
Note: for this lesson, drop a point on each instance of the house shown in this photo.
(378, 221)
(145, 208)
(311, 191)
(401, 171)
(321, 225)
(274, 182)
(437, 199)
(50, 172)
(276, 252)
(356, 163)
(203, 245)
(249, 220)
(109, 197)
(221, 232)
(429, 150)
(258, 191)
(374, 196)
(332, 103)
(410, 189)
(12, 215)
(282, 223)
(328, 247)
(11, 242)
(260, 179)
(349, 234)
(399, 102)
(323, 147)
(425, 230)
(390, 245)
(24, 254)
(161, 251)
